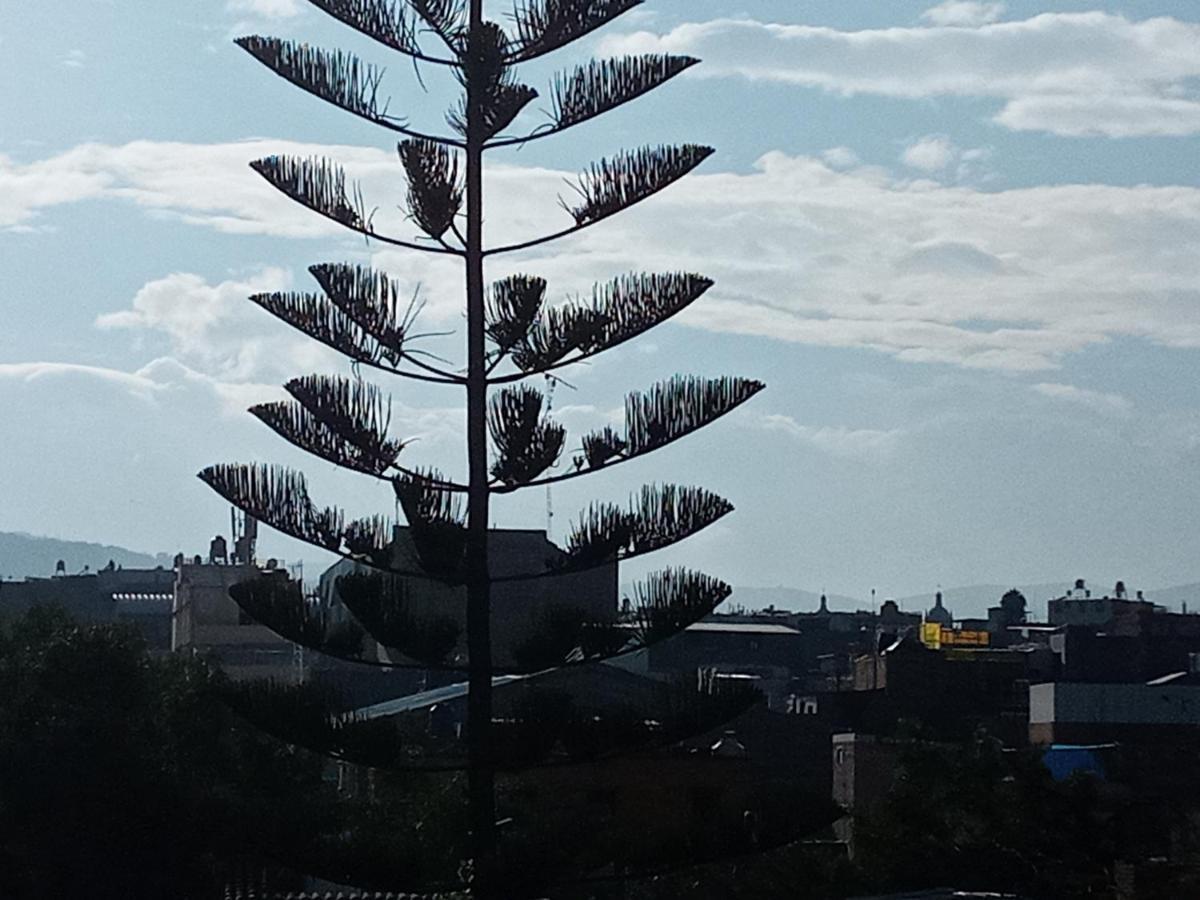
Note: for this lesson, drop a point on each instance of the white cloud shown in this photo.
(967, 13)
(1004, 279)
(930, 154)
(211, 326)
(74, 59)
(203, 184)
(853, 443)
(29, 372)
(1090, 73)
(153, 383)
(1113, 404)
(840, 158)
(267, 9)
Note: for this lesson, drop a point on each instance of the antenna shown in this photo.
(551, 382)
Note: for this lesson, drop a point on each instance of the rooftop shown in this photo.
(742, 628)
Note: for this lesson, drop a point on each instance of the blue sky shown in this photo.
(958, 241)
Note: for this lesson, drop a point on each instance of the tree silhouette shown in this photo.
(512, 336)
(1013, 605)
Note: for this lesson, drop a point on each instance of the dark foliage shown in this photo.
(435, 191)
(512, 307)
(300, 428)
(677, 407)
(336, 77)
(371, 301)
(556, 333)
(279, 603)
(316, 183)
(299, 714)
(543, 26)
(381, 602)
(437, 519)
(490, 75)
(279, 497)
(317, 317)
(526, 442)
(124, 777)
(660, 516)
(356, 411)
(387, 21)
(591, 90)
(612, 185)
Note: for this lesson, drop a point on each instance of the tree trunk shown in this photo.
(479, 704)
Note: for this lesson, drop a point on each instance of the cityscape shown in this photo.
(600, 450)
(1102, 688)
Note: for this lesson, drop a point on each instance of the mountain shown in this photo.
(972, 601)
(23, 555)
(755, 598)
(1173, 598)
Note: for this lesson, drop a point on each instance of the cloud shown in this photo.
(1090, 73)
(968, 13)
(201, 184)
(930, 154)
(30, 372)
(1095, 400)
(267, 9)
(154, 383)
(809, 252)
(841, 158)
(74, 59)
(852, 443)
(212, 326)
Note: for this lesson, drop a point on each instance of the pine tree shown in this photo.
(513, 336)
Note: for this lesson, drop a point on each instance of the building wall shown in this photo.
(520, 609)
(206, 621)
(1118, 704)
(137, 597)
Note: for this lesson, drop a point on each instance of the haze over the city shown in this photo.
(958, 241)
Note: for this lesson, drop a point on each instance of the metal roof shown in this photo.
(741, 628)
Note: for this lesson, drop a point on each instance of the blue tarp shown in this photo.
(1064, 760)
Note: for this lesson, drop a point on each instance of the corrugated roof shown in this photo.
(742, 628)
(425, 699)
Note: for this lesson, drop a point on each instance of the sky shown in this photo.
(959, 242)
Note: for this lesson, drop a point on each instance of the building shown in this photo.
(1079, 608)
(1113, 638)
(206, 621)
(938, 614)
(950, 690)
(768, 653)
(137, 597)
(1081, 713)
(522, 611)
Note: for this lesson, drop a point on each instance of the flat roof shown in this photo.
(742, 628)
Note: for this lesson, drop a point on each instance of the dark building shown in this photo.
(1112, 638)
(1079, 713)
(521, 610)
(949, 691)
(938, 613)
(770, 654)
(137, 597)
(207, 622)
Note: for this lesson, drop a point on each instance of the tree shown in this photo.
(1013, 605)
(125, 776)
(512, 336)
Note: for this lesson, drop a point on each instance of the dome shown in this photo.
(939, 614)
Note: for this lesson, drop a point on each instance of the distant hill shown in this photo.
(972, 601)
(1174, 597)
(755, 598)
(24, 555)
